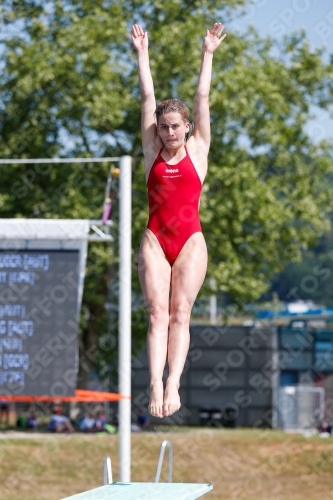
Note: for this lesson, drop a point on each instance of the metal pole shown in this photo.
(8, 161)
(213, 303)
(160, 461)
(107, 471)
(213, 309)
(125, 264)
(275, 380)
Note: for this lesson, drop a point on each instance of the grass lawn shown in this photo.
(241, 464)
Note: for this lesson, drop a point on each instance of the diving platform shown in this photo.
(144, 491)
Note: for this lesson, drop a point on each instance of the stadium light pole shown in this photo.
(125, 309)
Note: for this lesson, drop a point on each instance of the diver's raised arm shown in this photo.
(211, 42)
(148, 102)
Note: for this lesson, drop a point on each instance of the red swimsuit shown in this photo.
(173, 195)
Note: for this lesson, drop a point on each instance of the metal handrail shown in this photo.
(160, 461)
(57, 160)
(107, 471)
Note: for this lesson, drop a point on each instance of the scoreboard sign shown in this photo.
(38, 322)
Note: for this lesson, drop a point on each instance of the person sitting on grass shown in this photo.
(100, 421)
(143, 420)
(88, 423)
(32, 422)
(59, 423)
(4, 411)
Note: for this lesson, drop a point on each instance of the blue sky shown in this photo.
(281, 17)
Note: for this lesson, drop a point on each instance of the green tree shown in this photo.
(310, 279)
(64, 93)
(69, 86)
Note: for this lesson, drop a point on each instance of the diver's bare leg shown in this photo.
(155, 275)
(188, 274)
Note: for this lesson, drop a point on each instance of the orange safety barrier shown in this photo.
(80, 397)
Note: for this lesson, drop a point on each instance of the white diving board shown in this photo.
(143, 491)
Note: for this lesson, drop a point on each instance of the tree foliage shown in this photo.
(69, 87)
(310, 279)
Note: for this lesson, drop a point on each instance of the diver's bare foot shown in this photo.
(171, 398)
(155, 406)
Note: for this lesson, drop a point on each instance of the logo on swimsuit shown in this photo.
(171, 170)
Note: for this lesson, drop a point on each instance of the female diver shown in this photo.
(173, 252)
